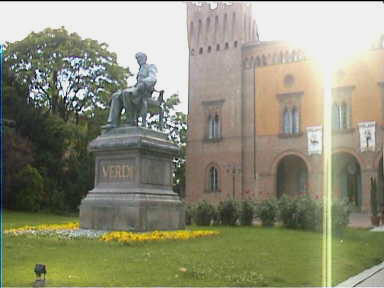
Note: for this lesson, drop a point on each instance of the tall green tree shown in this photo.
(63, 72)
(53, 77)
(17, 148)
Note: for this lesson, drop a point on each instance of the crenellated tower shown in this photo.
(216, 36)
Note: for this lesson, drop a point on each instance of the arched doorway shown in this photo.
(346, 179)
(291, 176)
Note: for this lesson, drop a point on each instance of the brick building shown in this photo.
(255, 114)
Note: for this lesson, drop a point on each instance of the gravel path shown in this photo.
(76, 233)
(66, 233)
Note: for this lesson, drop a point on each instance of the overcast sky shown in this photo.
(159, 28)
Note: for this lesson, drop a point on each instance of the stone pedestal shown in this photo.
(133, 183)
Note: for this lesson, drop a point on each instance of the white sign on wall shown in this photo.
(315, 140)
(367, 136)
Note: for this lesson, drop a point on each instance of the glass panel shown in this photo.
(210, 128)
(344, 116)
(286, 122)
(216, 127)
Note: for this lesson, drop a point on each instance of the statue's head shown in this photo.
(141, 58)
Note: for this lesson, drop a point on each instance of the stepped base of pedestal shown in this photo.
(132, 212)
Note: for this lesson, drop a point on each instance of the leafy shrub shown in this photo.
(267, 212)
(228, 211)
(204, 213)
(300, 212)
(29, 189)
(340, 216)
(287, 211)
(215, 216)
(246, 212)
(189, 210)
(309, 213)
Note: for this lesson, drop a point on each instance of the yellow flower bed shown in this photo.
(43, 227)
(127, 237)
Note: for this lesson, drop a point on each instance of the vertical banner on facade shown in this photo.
(315, 140)
(367, 136)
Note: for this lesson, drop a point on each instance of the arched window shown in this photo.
(343, 116)
(208, 24)
(199, 30)
(340, 116)
(209, 49)
(233, 25)
(213, 127)
(226, 45)
(210, 127)
(216, 127)
(213, 179)
(258, 61)
(217, 47)
(295, 121)
(235, 44)
(201, 50)
(287, 121)
(216, 26)
(225, 26)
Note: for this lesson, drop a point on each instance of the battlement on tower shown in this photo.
(220, 25)
(206, 7)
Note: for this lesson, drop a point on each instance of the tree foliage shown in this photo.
(175, 125)
(29, 190)
(52, 78)
(63, 72)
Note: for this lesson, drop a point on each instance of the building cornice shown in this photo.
(283, 96)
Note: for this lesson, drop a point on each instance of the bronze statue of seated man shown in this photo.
(134, 99)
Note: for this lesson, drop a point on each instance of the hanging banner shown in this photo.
(367, 136)
(315, 140)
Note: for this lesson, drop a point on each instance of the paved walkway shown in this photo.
(360, 220)
(374, 276)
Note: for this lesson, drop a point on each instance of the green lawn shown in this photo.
(12, 219)
(239, 256)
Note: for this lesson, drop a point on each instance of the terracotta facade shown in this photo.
(252, 87)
